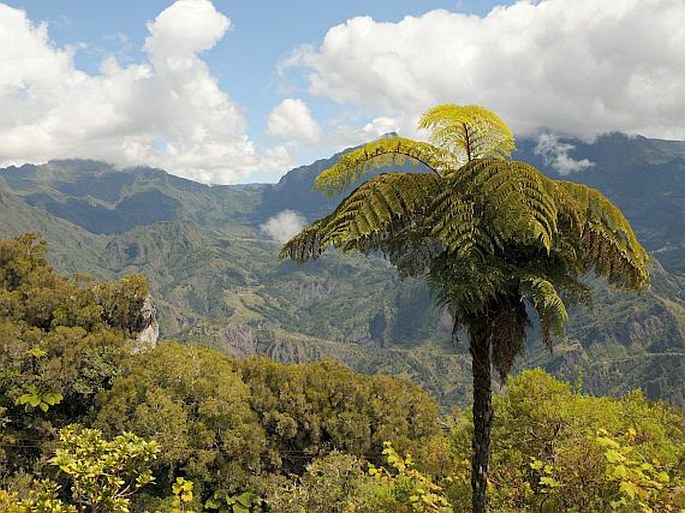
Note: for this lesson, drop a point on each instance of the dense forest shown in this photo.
(94, 421)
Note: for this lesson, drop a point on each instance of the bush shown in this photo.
(551, 445)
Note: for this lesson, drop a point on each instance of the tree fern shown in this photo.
(491, 236)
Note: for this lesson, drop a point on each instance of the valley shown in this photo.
(216, 279)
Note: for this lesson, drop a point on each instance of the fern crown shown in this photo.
(490, 234)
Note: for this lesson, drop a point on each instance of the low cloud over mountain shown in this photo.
(166, 111)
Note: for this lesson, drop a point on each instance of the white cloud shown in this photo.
(292, 119)
(283, 225)
(570, 66)
(184, 29)
(167, 111)
(277, 158)
(346, 135)
(555, 154)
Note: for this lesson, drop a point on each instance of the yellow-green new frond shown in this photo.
(546, 301)
(607, 242)
(468, 131)
(384, 152)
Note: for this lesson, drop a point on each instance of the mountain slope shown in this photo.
(217, 280)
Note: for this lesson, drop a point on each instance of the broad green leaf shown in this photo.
(629, 489)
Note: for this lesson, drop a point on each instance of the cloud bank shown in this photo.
(555, 154)
(167, 111)
(283, 225)
(574, 67)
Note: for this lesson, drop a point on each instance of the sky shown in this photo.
(236, 91)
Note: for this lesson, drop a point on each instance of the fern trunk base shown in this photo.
(480, 349)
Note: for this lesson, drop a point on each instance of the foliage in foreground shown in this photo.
(220, 422)
(339, 483)
(258, 436)
(556, 449)
(62, 341)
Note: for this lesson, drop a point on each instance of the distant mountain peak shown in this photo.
(388, 135)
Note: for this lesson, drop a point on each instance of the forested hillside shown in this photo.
(93, 422)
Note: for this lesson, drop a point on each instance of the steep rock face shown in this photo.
(148, 327)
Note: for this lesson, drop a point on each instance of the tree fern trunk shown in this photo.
(480, 348)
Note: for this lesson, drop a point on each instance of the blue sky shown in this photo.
(264, 32)
(234, 91)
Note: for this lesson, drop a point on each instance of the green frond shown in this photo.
(468, 131)
(411, 251)
(575, 291)
(384, 152)
(605, 251)
(515, 201)
(606, 241)
(374, 206)
(562, 268)
(453, 221)
(520, 205)
(375, 212)
(549, 305)
(306, 244)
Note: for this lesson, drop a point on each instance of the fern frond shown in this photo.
(373, 206)
(549, 305)
(374, 155)
(453, 221)
(607, 243)
(306, 244)
(516, 201)
(562, 268)
(373, 213)
(468, 131)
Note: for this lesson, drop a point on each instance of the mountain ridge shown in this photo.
(217, 280)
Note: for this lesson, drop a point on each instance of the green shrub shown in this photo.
(558, 450)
